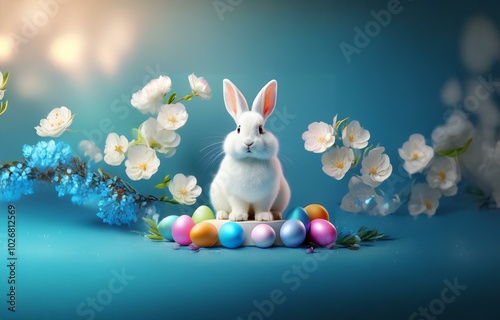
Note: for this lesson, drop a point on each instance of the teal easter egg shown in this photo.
(202, 213)
(165, 227)
(231, 235)
(298, 213)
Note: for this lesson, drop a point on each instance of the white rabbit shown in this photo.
(250, 178)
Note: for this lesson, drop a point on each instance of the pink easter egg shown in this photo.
(181, 229)
(322, 232)
(263, 235)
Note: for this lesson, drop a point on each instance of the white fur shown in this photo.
(250, 178)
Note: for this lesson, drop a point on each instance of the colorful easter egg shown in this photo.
(181, 229)
(202, 213)
(165, 227)
(316, 211)
(204, 234)
(263, 235)
(322, 232)
(292, 233)
(298, 213)
(231, 235)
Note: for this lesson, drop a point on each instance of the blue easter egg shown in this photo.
(165, 227)
(231, 235)
(298, 213)
(293, 233)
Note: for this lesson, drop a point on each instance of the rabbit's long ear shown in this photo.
(234, 100)
(265, 101)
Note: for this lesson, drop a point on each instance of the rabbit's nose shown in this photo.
(248, 144)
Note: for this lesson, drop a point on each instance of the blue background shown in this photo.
(392, 87)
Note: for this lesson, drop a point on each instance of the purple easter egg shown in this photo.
(263, 235)
(322, 232)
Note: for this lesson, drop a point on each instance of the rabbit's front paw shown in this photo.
(264, 216)
(238, 216)
(222, 215)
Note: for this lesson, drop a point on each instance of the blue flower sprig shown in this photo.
(54, 163)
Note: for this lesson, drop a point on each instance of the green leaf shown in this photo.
(340, 122)
(166, 199)
(366, 234)
(3, 107)
(166, 180)
(155, 237)
(172, 98)
(455, 152)
(153, 230)
(151, 223)
(5, 80)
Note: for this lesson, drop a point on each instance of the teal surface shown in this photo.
(72, 266)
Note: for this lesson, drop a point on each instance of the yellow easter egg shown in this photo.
(316, 211)
(204, 234)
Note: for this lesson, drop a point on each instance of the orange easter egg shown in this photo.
(316, 211)
(204, 234)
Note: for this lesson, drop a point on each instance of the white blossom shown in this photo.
(57, 121)
(361, 197)
(172, 116)
(423, 199)
(184, 189)
(454, 133)
(319, 137)
(376, 167)
(354, 136)
(115, 149)
(150, 98)
(141, 162)
(416, 154)
(200, 87)
(337, 162)
(90, 150)
(2, 93)
(162, 140)
(444, 175)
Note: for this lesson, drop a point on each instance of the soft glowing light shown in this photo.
(114, 43)
(6, 48)
(67, 52)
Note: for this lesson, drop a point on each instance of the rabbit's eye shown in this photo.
(261, 130)
(238, 129)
